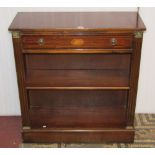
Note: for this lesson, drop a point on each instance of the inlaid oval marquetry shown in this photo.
(77, 42)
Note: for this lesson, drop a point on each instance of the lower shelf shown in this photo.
(88, 136)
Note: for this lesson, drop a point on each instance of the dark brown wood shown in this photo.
(21, 78)
(135, 64)
(78, 70)
(89, 136)
(78, 75)
(78, 78)
(78, 108)
(77, 61)
(76, 41)
(77, 51)
(78, 88)
(98, 21)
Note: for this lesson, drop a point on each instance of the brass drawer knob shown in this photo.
(77, 42)
(41, 41)
(113, 41)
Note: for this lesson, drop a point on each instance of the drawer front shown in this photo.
(77, 61)
(77, 108)
(76, 42)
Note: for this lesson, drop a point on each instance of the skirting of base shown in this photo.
(67, 136)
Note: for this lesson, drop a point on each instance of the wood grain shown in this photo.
(78, 78)
(65, 42)
(77, 61)
(77, 51)
(57, 21)
(77, 74)
(88, 136)
(135, 64)
(21, 78)
(78, 108)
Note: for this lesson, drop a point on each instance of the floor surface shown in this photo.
(10, 135)
(10, 131)
(144, 137)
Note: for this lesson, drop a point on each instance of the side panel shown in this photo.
(134, 75)
(21, 77)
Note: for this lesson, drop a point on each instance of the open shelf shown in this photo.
(77, 78)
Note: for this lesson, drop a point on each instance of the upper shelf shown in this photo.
(83, 21)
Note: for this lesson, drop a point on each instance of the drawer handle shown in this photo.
(41, 41)
(113, 41)
(77, 42)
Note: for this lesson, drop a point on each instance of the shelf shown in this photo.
(76, 51)
(77, 78)
(77, 88)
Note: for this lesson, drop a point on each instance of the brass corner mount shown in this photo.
(15, 34)
(138, 34)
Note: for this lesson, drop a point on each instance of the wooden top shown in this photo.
(53, 21)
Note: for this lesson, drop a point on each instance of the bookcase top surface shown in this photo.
(53, 21)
